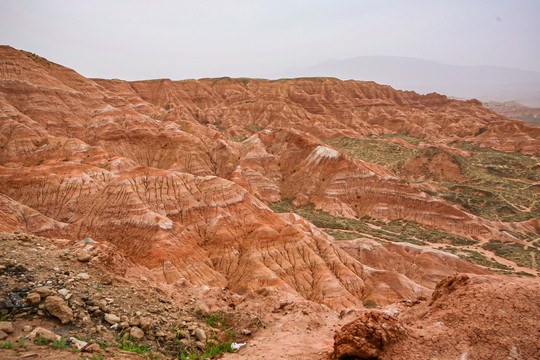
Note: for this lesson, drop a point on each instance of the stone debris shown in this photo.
(58, 308)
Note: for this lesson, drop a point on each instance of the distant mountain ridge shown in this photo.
(486, 83)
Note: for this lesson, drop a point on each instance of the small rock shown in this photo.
(106, 279)
(183, 334)
(145, 323)
(246, 332)
(63, 292)
(200, 335)
(43, 291)
(3, 335)
(58, 308)
(27, 328)
(45, 334)
(83, 256)
(123, 325)
(79, 344)
(184, 343)
(134, 322)
(92, 348)
(6, 326)
(83, 276)
(136, 333)
(112, 319)
(33, 298)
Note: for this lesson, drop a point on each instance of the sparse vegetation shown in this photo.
(254, 127)
(42, 341)
(477, 258)
(526, 256)
(218, 125)
(342, 235)
(59, 344)
(212, 349)
(389, 155)
(21, 343)
(370, 304)
(216, 318)
(238, 138)
(402, 135)
(6, 345)
(125, 343)
(395, 231)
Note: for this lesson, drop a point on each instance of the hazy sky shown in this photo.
(191, 39)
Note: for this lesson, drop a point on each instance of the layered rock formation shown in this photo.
(151, 168)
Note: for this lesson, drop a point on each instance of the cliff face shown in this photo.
(179, 175)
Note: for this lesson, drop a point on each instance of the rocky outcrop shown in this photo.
(458, 323)
(367, 337)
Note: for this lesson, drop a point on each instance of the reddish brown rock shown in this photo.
(472, 317)
(367, 337)
(58, 308)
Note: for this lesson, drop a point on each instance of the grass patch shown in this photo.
(6, 345)
(42, 341)
(389, 155)
(218, 125)
(238, 138)
(216, 318)
(412, 230)
(490, 191)
(23, 344)
(410, 139)
(212, 349)
(395, 231)
(370, 304)
(254, 127)
(59, 344)
(526, 256)
(477, 258)
(342, 235)
(125, 343)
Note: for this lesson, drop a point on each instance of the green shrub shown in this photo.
(6, 345)
(42, 341)
(59, 344)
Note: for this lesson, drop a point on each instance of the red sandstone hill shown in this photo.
(179, 176)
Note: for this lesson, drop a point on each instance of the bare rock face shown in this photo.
(58, 308)
(367, 337)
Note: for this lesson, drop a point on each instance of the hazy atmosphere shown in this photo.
(192, 39)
